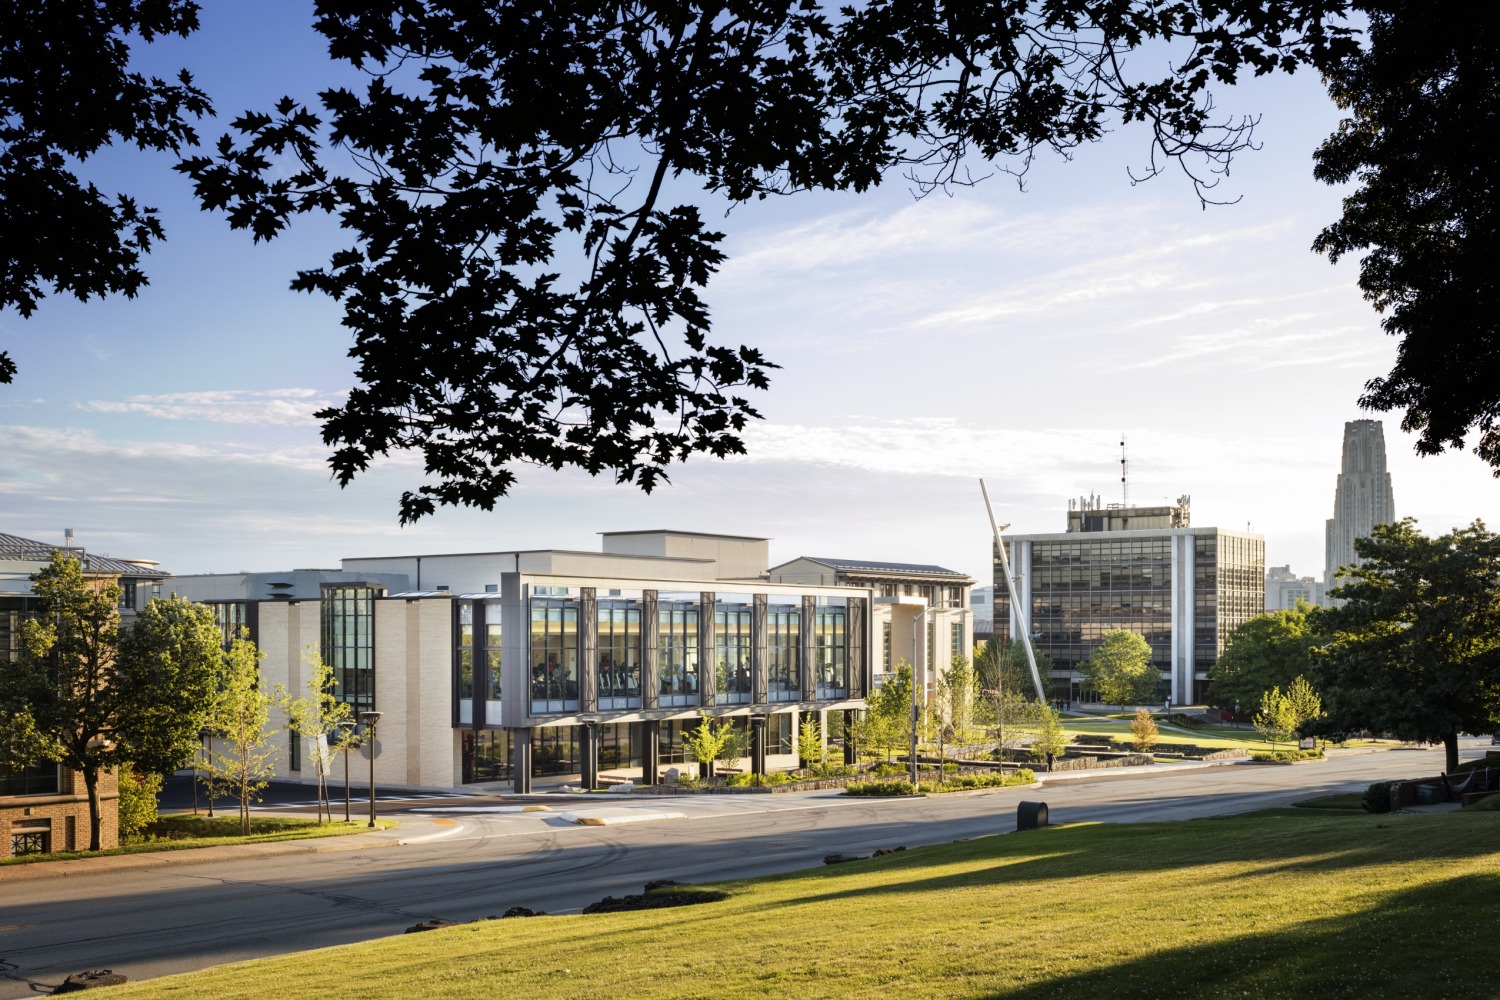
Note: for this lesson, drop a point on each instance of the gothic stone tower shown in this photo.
(1363, 497)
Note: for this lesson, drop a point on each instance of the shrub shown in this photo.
(1143, 728)
(950, 768)
(1377, 798)
(878, 788)
(137, 804)
(1285, 756)
(887, 769)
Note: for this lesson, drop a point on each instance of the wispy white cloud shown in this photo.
(285, 407)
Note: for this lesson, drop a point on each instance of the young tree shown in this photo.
(1306, 704)
(1050, 740)
(1120, 669)
(1143, 729)
(139, 794)
(736, 743)
(240, 719)
(1269, 650)
(811, 747)
(710, 741)
(956, 689)
(315, 716)
(80, 697)
(1277, 718)
(1414, 645)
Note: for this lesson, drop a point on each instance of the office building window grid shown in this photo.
(732, 653)
(619, 654)
(783, 653)
(349, 643)
(677, 652)
(554, 655)
(831, 652)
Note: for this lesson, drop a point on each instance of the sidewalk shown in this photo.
(412, 830)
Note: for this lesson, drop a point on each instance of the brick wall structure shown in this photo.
(63, 816)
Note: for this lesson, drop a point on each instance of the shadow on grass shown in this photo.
(1275, 841)
(1421, 942)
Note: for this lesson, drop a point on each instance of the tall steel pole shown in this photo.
(1023, 616)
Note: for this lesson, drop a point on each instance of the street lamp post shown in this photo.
(347, 729)
(916, 710)
(371, 719)
(207, 734)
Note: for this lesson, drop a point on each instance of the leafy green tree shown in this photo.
(1422, 113)
(1001, 667)
(514, 300)
(316, 714)
(1414, 645)
(1306, 704)
(1269, 650)
(1120, 669)
(243, 759)
(80, 697)
(736, 744)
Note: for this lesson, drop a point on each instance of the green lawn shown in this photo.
(1287, 904)
(1215, 737)
(180, 832)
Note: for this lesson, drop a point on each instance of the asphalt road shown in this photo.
(157, 921)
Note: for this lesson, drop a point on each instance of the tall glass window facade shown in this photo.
(348, 627)
(732, 653)
(554, 655)
(619, 654)
(956, 639)
(677, 653)
(783, 653)
(885, 646)
(231, 618)
(492, 651)
(831, 652)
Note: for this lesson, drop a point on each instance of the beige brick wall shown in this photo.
(65, 816)
(413, 691)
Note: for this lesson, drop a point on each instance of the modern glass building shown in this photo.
(509, 666)
(1182, 589)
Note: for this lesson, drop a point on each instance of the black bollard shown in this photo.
(1031, 815)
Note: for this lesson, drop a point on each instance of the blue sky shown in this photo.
(923, 344)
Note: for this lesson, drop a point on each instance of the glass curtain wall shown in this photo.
(348, 645)
(831, 652)
(732, 653)
(463, 664)
(677, 652)
(230, 617)
(492, 657)
(554, 655)
(783, 652)
(619, 654)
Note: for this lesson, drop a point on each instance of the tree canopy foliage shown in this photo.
(1414, 647)
(1267, 651)
(66, 92)
(527, 259)
(1423, 112)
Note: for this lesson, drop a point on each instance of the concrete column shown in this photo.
(590, 763)
(520, 759)
(650, 752)
(758, 744)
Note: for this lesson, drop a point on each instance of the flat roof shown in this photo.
(693, 534)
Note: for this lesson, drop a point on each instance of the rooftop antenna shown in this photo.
(1124, 474)
(68, 537)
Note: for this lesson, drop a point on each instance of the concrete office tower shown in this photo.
(1362, 499)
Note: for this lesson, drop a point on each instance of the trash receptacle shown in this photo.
(1428, 795)
(1031, 815)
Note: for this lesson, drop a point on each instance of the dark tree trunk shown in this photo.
(91, 782)
(1450, 748)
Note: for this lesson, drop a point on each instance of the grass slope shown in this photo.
(1286, 904)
